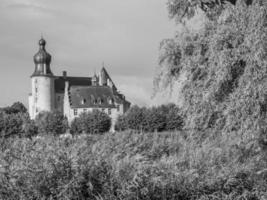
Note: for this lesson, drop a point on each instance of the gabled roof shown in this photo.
(73, 81)
(93, 96)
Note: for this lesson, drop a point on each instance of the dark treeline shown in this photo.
(161, 118)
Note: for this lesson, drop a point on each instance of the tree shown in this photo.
(16, 107)
(76, 126)
(12, 124)
(121, 123)
(136, 118)
(51, 123)
(222, 69)
(183, 10)
(155, 120)
(95, 122)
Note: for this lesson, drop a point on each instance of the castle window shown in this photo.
(103, 109)
(110, 101)
(100, 101)
(36, 90)
(83, 101)
(109, 111)
(84, 110)
(75, 112)
(118, 108)
(36, 99)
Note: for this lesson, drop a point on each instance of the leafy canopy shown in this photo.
(222, 66)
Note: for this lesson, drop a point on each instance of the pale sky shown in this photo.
(81, 35)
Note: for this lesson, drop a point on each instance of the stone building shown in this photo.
(72, 95)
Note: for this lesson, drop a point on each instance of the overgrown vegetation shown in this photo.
(125, 165)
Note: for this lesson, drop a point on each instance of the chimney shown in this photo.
(64, 73)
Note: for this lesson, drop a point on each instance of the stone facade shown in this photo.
(72, 95)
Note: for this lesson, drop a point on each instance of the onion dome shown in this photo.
(42, 60)
(42, 57)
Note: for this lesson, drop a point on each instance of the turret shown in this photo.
(42, 97)
(103, 77)
(42, 61)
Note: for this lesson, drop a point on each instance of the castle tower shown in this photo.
(42, 97)
(103, 77)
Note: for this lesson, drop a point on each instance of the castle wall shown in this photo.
(43, 94)
(59, 101)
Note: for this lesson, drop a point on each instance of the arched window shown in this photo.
(100, 101)
(83, 101)
(110, 100)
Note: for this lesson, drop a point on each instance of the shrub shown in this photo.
(91, 122)
(11, 124)
(136, 118)
(76, 126)
(155, 120)
(174, 120)
(121, 123)
(29, 128)
(161, 118)
(16, 107)
(51, 123)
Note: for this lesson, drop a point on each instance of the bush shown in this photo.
(29, 129)
(16, 107)
(155, 120)
(121, 123)
(161, 118)
(94, 122)
(76, 126)
(12, 124)
(174, 120)
(136, 118)
(54, 123)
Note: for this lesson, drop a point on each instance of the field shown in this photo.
(128, 165)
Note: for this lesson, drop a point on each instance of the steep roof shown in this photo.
(93, 96)
(73, 81)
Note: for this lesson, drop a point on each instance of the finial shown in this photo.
(103, 64)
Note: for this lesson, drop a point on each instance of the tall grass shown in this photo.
(132, 166)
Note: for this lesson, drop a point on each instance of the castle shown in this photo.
(72, 95)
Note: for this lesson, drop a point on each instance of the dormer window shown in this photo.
(110, 101)
(83, 101)
(100, 101)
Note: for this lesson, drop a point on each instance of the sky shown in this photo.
(81, 36)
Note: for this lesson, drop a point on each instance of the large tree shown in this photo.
(222, 66)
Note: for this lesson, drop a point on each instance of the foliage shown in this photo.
(222, 71)
(95, 122)
(29, 128)
(76, 126)
(54, 123)
(141, 119)
(174, 119)
(12, 124)
(16, 107)
(132, 166)
(182, 10)
(136, 118)
(121, 123)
